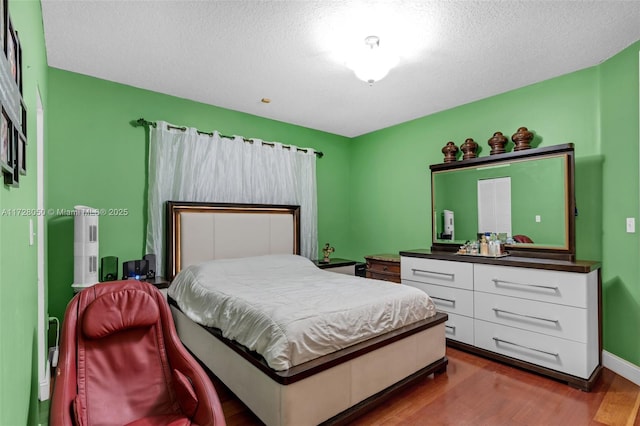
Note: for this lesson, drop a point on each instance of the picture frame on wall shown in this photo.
(5, 143)
(23, 114)
(22, 154)
(3, 24)
(15, 144)
(12, 175)
(12, 50)
(18, 61)
(13, 116)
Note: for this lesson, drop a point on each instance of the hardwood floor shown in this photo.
(476, 391)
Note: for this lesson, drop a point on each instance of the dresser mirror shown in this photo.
(526, 197)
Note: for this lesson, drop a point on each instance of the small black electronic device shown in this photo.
(134, 269)
(151, 265)
(108, 268)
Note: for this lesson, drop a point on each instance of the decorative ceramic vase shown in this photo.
(469, 149)
(522, 138)
(497, 143)
(450, 150)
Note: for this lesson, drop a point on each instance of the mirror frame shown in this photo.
(524, 250)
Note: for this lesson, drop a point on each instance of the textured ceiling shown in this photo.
(233, 53)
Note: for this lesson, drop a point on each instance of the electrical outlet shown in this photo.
(538, 218)
(631, 225)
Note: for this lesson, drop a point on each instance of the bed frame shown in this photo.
(332, 389)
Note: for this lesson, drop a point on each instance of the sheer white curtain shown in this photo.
(189, 166)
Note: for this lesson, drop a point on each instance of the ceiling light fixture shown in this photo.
(372, 64)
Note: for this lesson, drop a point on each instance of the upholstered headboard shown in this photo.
(197, 232)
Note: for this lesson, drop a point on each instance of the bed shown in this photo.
(332, 386)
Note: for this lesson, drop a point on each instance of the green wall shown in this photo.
(18, 260)
(373, 190)
(97, 158)
(595, 108)
(618, 134)
(390, 175)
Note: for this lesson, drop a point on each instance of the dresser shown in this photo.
(384, 267)
(539, 314)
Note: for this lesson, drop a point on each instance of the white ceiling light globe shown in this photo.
(373, 63)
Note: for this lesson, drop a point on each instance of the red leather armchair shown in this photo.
(522, 239)
(121, 363)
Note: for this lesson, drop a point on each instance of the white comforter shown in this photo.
(290, 311)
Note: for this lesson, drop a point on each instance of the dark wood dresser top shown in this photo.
(581, 266)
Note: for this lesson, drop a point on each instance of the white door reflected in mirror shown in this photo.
(494, 205)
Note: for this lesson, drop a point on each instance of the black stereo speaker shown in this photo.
(108, 268)
(151, 265)
(136, 269)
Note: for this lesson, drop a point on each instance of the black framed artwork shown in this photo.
(13, 117)
(12, 176)
(5, 143)
(12, 50)
(22, 153)
(23, 113)
(15, 142)
(18, 76)
(3, 24)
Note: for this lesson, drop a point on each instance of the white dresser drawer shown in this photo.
(557, 354)
(566, 288)
(459, 328)
(447, 299)
(440, 272)
(562, 321)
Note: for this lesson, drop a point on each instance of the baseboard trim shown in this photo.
(621, 367)
(45, 386)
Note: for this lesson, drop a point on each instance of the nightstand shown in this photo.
(159, 282)
(384, 267)
(341, 266)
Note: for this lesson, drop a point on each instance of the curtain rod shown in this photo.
(143, 122)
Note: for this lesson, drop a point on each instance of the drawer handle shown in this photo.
(497, 311)
(451, 327)
(453, 302)
(497, 282)
(384, 273)
(451, 276)
(526, 347)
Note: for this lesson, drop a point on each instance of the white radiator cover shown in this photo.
(85, 247)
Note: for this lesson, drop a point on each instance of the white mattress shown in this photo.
(290, 311)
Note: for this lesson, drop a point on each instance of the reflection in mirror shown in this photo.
(520, 197)
(494, 206)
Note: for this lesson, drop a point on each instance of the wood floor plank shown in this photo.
(477, 391)
(620, 405)
(422, 393)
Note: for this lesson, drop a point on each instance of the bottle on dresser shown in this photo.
(484, 246)
(494, 247)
